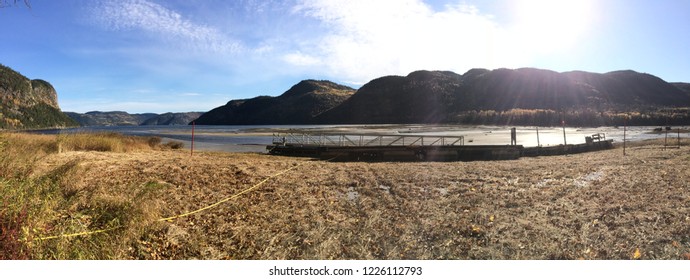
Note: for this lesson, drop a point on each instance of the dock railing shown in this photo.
(364, 140)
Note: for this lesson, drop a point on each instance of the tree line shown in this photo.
(574, 117)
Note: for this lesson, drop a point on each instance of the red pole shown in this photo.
(192, 151)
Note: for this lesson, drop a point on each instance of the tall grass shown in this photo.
(36, 206)
(104, 142)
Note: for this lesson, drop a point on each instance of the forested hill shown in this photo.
(683, 86)
(28, 103)
(524, 96)
(119, 118)
(301, 104)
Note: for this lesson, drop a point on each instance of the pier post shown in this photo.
(625, 129)
(665, 138)
(565, 142)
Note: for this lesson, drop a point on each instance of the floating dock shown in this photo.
(372, 147)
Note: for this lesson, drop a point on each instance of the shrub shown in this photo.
(175, 145)
(11, 246)
(154, 141)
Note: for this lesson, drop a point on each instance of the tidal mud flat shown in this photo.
(256, 138)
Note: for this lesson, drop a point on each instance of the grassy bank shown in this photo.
(39, 200)
(599, 205)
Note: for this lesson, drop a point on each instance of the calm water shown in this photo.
(255, 138)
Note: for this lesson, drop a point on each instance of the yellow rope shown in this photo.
(180, 215)
(78, 234)
(229, 198)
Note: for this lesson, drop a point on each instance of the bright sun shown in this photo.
(552, 24)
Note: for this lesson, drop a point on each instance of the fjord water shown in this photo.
(255, 138)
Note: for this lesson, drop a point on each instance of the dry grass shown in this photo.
(39, 198)
(589, 206)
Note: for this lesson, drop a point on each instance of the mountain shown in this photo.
(172, 119)
(482, 96)
(113, 118)
(683, 86)
(299, 105)
(118, 118)
(421, 97)
(28, 103)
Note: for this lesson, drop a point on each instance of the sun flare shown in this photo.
(552, 24)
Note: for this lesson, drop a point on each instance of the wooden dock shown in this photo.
(370, 147)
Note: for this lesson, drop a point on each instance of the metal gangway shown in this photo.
(364, 140)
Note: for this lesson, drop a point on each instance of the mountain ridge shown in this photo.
(298, 105)
(447, 97)
(27, 103)
(523, 96)
(121, 118)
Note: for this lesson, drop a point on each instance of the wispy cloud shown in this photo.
(157, 20)
(252, 42)
(188, 94)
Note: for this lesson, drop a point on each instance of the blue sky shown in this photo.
(184, 55)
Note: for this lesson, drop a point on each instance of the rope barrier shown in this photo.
(231, 197)
(78, 234)
(180, 215)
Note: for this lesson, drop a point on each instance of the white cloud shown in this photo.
(157, 20)
(300, 59)
(190, 94)
(375, 38)
(251, 43)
